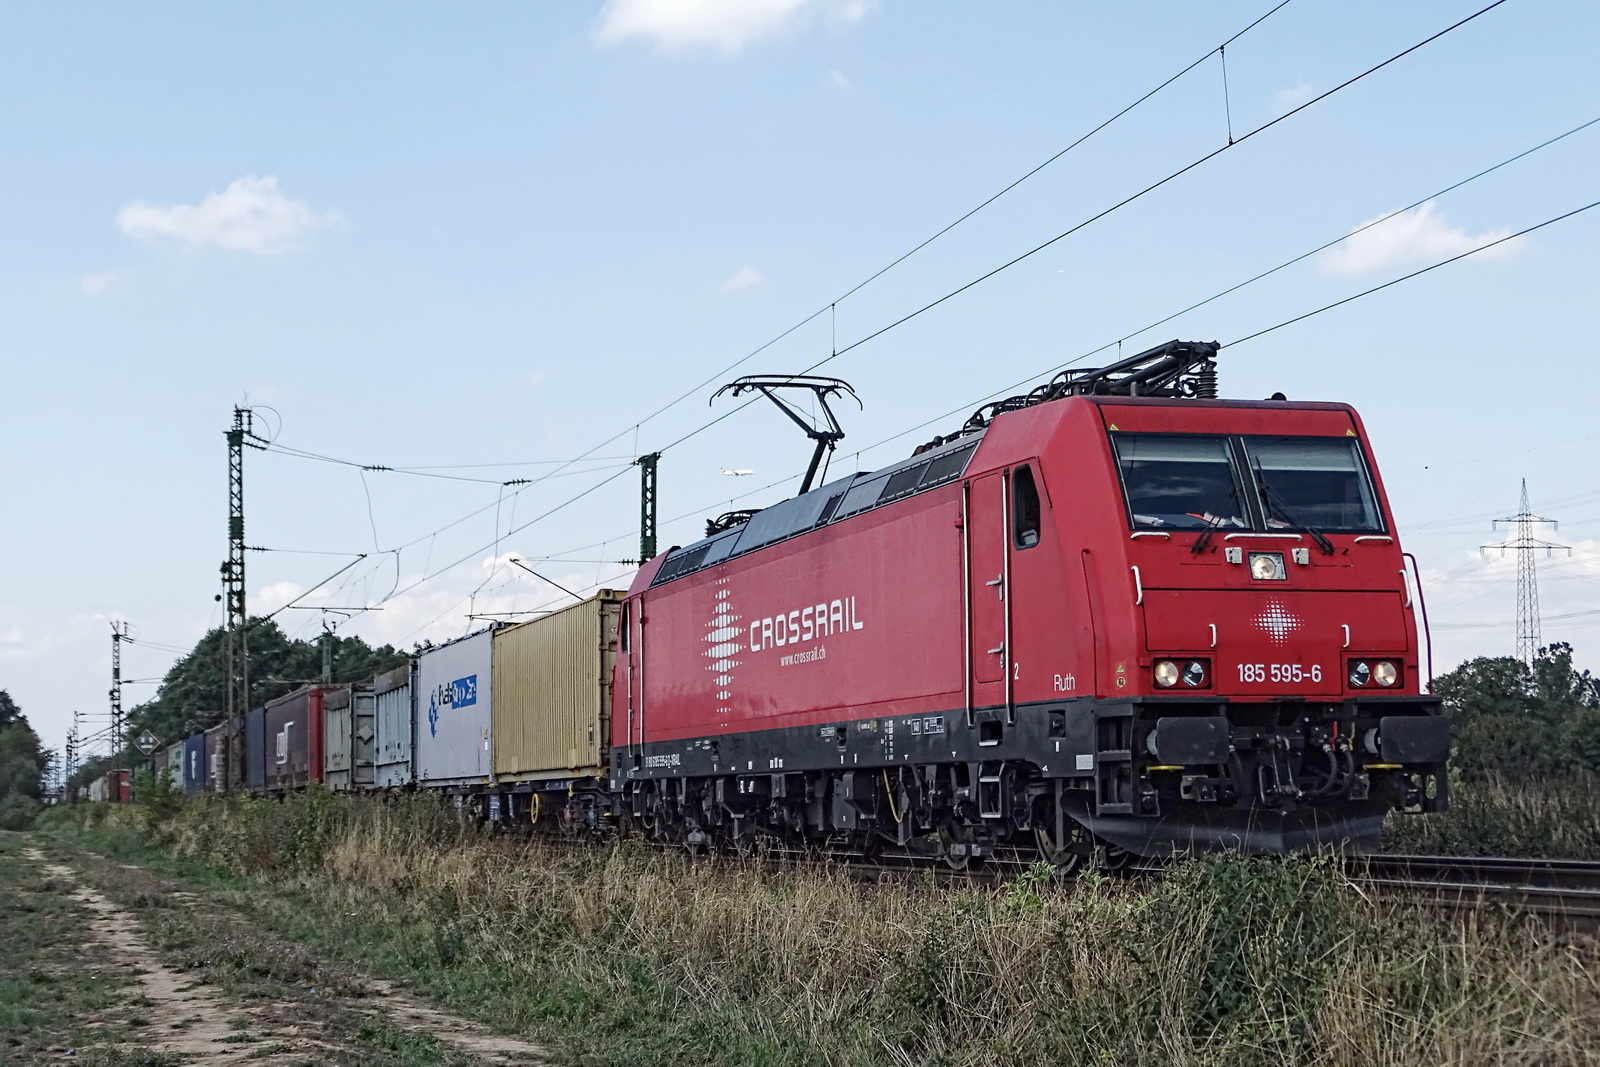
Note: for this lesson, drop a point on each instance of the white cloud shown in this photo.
(743, 278)
(272, 597)
(1295, 95)
(724, 25)
(438, 611)
(95, 284)
(1420, 235)
(838, 80)
(250, 215)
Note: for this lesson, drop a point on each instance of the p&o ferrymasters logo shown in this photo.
(461, 693)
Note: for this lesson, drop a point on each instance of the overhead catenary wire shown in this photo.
(1152, 187)
(1414, 274)
(1132, 198)
(1322, 247)
(314, 588)
(1301, 257)
(830, 308)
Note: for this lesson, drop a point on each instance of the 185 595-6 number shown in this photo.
(1280, 673)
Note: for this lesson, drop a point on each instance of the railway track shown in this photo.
(1565, 891)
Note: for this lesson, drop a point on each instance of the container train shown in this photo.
(1114, 617)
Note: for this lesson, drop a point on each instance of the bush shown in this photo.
(1494, 815)
(17, 811)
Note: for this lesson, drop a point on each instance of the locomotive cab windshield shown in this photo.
(1174, 481)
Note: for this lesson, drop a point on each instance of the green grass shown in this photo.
(55, 1000)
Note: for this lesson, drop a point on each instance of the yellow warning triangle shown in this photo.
(1113, 426)
(1349, 433)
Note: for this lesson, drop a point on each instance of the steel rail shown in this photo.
(1564, 892)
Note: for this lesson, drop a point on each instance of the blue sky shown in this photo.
(503, 233)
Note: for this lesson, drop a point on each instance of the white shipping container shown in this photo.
(453, 703)
(394, 728)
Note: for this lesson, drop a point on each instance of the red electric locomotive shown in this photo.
(1114, 617)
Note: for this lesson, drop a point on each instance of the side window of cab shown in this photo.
(1025, 511)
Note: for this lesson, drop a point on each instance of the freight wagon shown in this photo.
(551, 715)
(255, 750)
(216, 749)
(114, 786)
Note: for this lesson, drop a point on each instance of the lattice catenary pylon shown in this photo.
(1525, 545)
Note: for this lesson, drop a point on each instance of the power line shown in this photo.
(1416, 273)
(1207, 157)
(314, 588)
(1219, 50)
(1247, 337)
(831, 305)
(968, 405)
(419, 472)
(1191, 307)
(518, 529)
(1154, 186)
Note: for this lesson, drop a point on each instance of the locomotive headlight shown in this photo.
(1194, 673)
(1384, 673)
(1267, 567)
(1360, 673)
(1166, 673)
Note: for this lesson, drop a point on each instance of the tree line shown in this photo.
(193, 695)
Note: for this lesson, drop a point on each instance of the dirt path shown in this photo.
(192, 1019)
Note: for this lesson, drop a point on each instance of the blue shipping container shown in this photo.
(255, 750)
(194, 764)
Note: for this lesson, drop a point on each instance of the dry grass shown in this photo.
(628, 955)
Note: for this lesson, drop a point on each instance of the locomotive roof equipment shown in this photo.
(821, 388)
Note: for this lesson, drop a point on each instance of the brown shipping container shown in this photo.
(552, 717)
(294, 740)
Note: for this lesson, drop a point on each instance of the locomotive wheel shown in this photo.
(1061, 857)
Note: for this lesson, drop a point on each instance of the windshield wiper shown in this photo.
(1277, 504)
(1204, 540)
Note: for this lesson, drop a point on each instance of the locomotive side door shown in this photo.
(986, 565)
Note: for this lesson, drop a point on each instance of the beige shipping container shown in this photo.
(552, 692)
